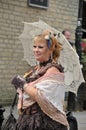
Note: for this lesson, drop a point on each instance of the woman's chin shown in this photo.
(39, 60)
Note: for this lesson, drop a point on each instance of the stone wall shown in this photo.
(60, 14)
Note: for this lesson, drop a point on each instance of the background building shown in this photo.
(60, 14)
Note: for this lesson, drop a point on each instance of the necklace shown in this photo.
(45, 63)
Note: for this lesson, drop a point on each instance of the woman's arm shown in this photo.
(20, 99)
(31, 90)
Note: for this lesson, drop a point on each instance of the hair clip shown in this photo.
(49, 40)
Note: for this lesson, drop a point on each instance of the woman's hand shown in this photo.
(18, 82)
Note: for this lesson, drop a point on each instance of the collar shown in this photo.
(45, 63)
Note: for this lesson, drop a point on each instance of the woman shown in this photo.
(41, 93)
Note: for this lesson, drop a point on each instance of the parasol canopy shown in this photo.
(68, 56)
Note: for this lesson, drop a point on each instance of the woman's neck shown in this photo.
(45, 62)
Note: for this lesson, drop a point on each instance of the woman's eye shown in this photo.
(34, 46)
(40, 46)
(37, 46)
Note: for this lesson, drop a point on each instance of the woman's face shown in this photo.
(41, 51)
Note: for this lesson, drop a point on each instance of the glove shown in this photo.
(18, 82)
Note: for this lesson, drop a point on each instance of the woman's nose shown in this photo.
(36, 49)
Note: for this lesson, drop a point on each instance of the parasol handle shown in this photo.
(28, 73)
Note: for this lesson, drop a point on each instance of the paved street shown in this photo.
(80, 116)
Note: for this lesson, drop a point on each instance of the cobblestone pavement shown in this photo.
(80, 116)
